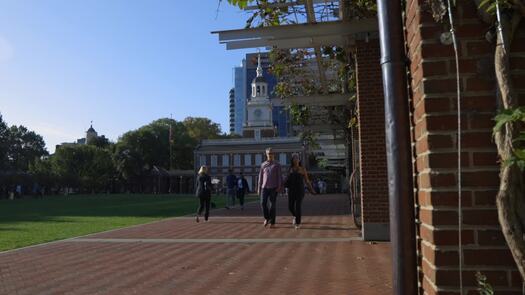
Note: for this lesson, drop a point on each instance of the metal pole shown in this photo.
(400, 186)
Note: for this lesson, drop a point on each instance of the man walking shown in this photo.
(242, 188)
(231, 183)
(269, 184)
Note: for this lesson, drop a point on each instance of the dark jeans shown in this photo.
(295, 202)
(271, 195)
(204, 205)
(240, 196)
(231, 197)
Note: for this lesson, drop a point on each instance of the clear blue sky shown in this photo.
(120, 63)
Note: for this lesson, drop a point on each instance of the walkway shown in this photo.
(231, 254)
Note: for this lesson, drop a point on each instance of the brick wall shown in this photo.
(371, 119)
(434, 109)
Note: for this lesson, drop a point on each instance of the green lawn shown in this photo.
(33, 221)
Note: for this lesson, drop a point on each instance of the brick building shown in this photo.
(433, 100)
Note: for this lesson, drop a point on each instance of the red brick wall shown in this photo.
(434, 102)
(371, 121)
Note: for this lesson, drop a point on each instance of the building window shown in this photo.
(258, 90)
(248, 160)
(258, 159)
(282, 158)
(213, 161)
(225, 160)
(237, 160)
(202, 160)
(249, 179)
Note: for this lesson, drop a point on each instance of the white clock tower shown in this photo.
(259, 121)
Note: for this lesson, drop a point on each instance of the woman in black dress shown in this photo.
(204, 188)
(295, 182)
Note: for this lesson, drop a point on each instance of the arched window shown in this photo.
(258, 90)
(253, 91)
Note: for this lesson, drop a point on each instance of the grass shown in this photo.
(33, 221)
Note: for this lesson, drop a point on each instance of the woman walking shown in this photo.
(295, 182)
(204, 188)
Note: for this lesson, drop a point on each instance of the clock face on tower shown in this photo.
(257, 113)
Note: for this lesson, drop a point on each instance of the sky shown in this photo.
(118, 63)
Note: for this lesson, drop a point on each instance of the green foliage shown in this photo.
(4, 145)
(83, 166)
(484, 288)
(201, 128)
(19, 147)
(300, 114)
(42, 170)
(100, 141)
(240, 3)
(509, 116)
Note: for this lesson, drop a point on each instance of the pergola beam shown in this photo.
(308, 30)
(290, 43)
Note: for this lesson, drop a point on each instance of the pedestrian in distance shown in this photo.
(231, 185)
(242, 188)
(204, 188)
(269, 184)
(295, 181)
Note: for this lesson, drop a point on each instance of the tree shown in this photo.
(24, 147)
(100, 141)
(4, 145)
(83, 166)
(139, 150)
(43, 173)
(202, 128)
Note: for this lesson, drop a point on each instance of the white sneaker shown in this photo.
(297, 226)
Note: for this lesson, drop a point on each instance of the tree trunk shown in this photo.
(510, 199)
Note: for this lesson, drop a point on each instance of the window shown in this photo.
(202, 160)
(213, 161)
(258, 90)
(258, 159)
(225, 160)
(282, 158)
(236, 160)
(248, 160)
(249, 179)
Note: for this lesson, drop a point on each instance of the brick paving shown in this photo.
(231, 254)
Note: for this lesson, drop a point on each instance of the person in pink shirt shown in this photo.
(269, 184)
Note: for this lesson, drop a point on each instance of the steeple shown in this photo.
(259, 67)
(259, 84)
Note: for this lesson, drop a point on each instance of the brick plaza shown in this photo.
(231, 254)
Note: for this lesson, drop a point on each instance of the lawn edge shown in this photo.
(106, 231)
